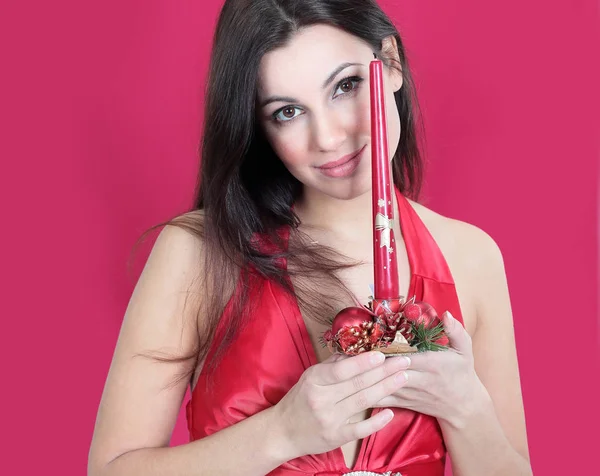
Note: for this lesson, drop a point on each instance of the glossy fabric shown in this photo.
(272, 352)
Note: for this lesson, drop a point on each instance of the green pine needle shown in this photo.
(425, 338)
(322, 341)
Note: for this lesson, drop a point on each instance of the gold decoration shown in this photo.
(399, 338)
(385, 225)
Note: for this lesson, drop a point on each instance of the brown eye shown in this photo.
(286, 114)
(346, 86)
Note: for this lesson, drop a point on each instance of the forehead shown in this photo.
(309, 57)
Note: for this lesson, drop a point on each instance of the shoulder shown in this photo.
(170, 275)
(475, 248)
(178, 246)
(174, 261)
(186, 258)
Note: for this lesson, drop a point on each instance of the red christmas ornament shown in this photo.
(351, 317)
(421, 313)
(385, 306)
(376, 333)
(412, 311)
(353, 331)
(443, 341)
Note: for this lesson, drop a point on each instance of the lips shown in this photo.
(343, 167)
(336, 163)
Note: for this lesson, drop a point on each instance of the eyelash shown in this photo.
(355, 79)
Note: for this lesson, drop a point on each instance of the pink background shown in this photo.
(101, 118)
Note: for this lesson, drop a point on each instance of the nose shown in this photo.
(328, 131)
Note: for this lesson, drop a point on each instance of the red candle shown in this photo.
(384, 244)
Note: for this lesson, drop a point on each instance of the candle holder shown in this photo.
(391, 326)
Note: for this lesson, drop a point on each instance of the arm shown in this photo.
(139, 405)
(491, 438)
(232, 450)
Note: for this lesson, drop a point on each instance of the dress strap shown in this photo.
(424, 254)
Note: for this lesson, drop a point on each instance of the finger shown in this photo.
(458, 337)
(397, 400)
(362, 429)
(405, 397)
(415, 386)
(334, 358)
(337, 357)
(434, 362)
(371, 377)
(428, 361)
(368, 397)
(391, 401)
(338, 371)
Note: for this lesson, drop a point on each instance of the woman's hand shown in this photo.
(313, 416)
(442, 384)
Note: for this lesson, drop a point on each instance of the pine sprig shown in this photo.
(425, 338)
(322, 341)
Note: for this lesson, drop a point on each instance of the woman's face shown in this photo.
(313, 104)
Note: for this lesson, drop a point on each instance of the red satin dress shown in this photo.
(270, 354)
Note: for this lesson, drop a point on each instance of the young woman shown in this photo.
(237, 293)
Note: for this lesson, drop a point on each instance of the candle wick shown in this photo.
(375, 55)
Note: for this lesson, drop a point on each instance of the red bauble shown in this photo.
(443, 340)
(376, 334)
(353, 331)
(347, 338)
(421, 313)
(350, 316)
(412, 311)
(392, 305)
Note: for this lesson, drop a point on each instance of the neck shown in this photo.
(351, 218)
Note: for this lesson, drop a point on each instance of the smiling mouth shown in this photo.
(344, 167)
(342, 161)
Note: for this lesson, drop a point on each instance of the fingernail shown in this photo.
(407, 360)
(387, 415)
(377, 357)
(401, 377)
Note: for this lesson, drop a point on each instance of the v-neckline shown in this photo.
(337, 453)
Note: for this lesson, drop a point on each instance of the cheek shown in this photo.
(364, 115)
(288, 147)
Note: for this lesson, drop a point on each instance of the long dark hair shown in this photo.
(244, 191)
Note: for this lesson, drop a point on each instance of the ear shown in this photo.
(389, 48)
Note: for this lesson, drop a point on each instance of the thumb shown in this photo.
(457, 335)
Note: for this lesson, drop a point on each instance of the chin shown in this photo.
(344, 189)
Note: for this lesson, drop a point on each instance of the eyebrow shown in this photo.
(327, 82)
